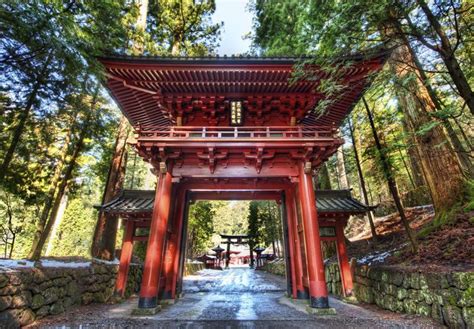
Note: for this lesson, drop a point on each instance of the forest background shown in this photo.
(409, 141)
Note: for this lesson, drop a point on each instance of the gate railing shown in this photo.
(229, 133)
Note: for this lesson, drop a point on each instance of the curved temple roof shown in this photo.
(131, 203)
(150, 90)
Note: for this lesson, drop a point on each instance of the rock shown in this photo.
(68, 302)
(436, 280)
(42, 311)
(50, 295)
(37, 302)
(3, 280)
(56, 308)
(5, 302)
(452, 316)
(87, 298)
(10, 290)
(100, 297)
(412, 280)
(462, 280)
(72, 288)
(402, 293)
(15, 318)
(468, 316)
(467, 297)
(427, 295)
(423, 309)
(39, 277)
(437, 312)
(396, 278)
(410, 306)
(21, 300)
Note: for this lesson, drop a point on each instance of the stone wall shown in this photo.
(192, 267)
(447, 297)
(27, 294)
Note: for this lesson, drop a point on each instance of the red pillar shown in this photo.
(317, 283)
(174, 245)
(344, 267)
(295, 256)
(156, 243)
(125, 257)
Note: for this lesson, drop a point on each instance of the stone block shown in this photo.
(42, 311)
(453, 317)
(37, 302)
(14, 318)
(437, 312)
(462, 280)
(87, 298)
(21, 300)
(423, 309)
(435, 280)
(50, 295)
(72, 289)
(468, 316)
(57, 308)
(5, 302)
(321, 311)
(402, 293)
(3, 280)
(10, 290)
(466, 298)
(146, 311)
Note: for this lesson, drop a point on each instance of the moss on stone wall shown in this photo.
(446, 297)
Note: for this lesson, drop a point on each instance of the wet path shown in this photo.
(235, 298)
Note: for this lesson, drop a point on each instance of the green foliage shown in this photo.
(264, 223)
(75, 231)
(181, 27)
(200, 228)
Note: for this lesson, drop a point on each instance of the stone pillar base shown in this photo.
(146, 311)
(321, 311)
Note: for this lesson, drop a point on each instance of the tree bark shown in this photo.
(462, 154)
(443, 174)
(23, 117)
(392, 186)
(48, 203)
(37, 250)
(105, 233)
(449, 58)
(341, 169)
(370, 214)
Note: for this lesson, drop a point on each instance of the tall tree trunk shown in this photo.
(23, 117)
(341, 169)
(449, 58)
(392, 186)
(48, 203)
(370, 214)
(414, 159)
(36, 252)
(462, 154)
(57, 223)
(105, 233)
(443, 174)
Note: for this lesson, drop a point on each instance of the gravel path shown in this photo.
(234, 298)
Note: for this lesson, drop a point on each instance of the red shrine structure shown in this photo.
(233, 129)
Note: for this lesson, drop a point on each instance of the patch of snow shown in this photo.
(56, 263)
(116, 261)
(6, 264)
